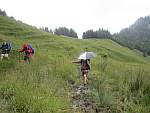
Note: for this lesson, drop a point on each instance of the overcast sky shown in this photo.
(80, 15)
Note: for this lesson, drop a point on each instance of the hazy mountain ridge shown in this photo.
(137, 36)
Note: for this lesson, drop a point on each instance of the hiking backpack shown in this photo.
(85, 64)
(30, 47)
(6, 46)
(9, 46)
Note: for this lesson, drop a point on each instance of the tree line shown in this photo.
(66, 32)
(2, 13)
(99, 34)
(46, 29)
(61, 31)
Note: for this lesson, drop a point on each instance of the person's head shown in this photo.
(25, 44)
(83, 60)
(4, 42)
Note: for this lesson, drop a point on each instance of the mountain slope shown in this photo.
(137, 36)
(43, 85)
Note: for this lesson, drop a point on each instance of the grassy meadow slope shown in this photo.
(119, 83)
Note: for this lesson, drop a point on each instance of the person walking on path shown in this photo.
(85, 67)
(84, 61)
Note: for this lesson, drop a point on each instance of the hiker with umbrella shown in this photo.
(84, 61)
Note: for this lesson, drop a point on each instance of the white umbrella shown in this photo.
(87, 55)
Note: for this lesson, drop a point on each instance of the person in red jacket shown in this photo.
(28, 52)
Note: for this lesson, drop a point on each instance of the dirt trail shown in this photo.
(81, 101)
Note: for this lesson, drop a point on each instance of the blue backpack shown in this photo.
(9, 46)
(6, 46)
(30, 46)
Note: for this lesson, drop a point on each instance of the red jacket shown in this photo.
(28, 51)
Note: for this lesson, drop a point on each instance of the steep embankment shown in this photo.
(118, 83)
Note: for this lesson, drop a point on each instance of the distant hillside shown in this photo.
(17, 29)
(137, 36)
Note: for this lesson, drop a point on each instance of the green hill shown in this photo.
(118, 83)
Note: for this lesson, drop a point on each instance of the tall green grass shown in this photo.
(34, 87)
(122, 91)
